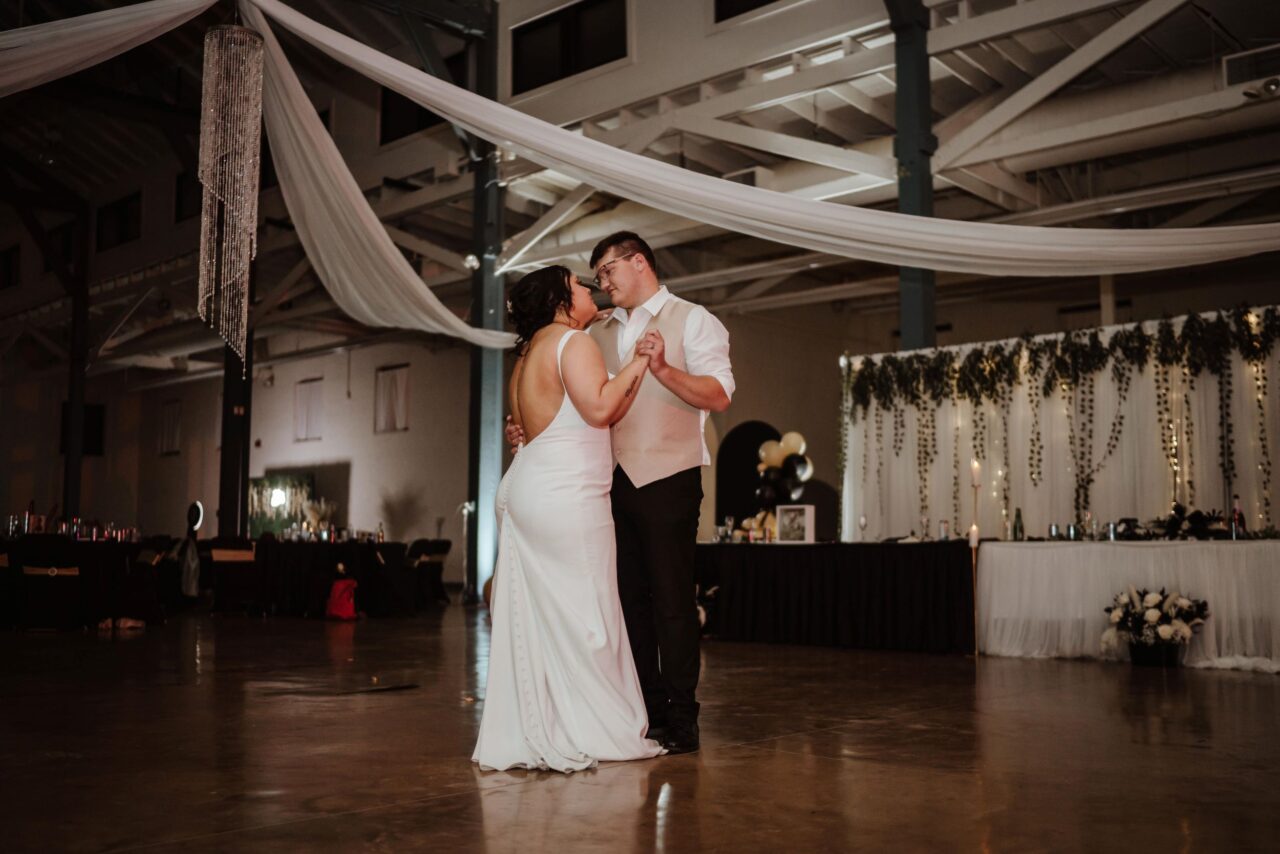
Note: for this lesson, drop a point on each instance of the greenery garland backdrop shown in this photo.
(1206, 418)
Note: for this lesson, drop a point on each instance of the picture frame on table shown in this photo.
(795, 523)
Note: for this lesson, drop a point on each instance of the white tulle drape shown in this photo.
(1045, 600)
(37, 54)
(885, 486)
(369, 280)
(887, 237)
(365, 273)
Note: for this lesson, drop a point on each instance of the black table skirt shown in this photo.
(297, 576)
(285, 578)
(106, 583)
(916, 598)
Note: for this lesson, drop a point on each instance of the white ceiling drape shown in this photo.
(365, 273)
(370, 280)
(872, 235)
(37, 54)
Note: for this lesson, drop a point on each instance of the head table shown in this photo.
(1046, 600)
(915, 597)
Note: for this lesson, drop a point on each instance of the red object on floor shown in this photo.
(342, 600)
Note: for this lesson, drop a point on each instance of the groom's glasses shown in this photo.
(602, 274)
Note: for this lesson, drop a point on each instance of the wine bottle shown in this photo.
(1019, 534)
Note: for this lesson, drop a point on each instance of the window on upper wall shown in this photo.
(62, 241)
(9, 268)
(170, 427)
(726, 9)
(399, 117)
(391, 399)
(574, 39)
(120, 221)
(308, 410)
(188, 196)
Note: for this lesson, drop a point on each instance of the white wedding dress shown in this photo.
(562, 689)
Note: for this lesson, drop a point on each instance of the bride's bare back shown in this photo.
(535, 391)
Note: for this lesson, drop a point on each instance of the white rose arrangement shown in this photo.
(1150, 617)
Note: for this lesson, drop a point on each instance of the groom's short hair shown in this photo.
(626, 242)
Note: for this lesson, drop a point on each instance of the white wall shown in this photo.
(404, 480)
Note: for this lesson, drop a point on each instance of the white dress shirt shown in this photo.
(706, 344)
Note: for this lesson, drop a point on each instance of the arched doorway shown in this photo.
(736, 475)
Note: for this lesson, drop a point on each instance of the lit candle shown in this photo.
(973, 536)
(975, 472)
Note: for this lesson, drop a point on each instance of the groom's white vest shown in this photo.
(660, 435)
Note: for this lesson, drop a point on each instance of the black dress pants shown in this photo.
(657, 529)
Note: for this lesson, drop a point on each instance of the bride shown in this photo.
(562, 687)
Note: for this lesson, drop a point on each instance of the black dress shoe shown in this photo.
(658, 732)
(681, 740)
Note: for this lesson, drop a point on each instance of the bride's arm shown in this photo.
(601, 401)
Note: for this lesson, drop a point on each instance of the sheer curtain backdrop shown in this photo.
(1136, 480)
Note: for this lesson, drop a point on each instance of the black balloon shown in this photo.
(772, 476)
(794, 488)
(791, 465)
(767, 495)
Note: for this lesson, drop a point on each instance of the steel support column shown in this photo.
(487, 303)
(78, 357)
(914, 146)
(233, 472)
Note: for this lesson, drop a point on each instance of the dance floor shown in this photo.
(237, 734)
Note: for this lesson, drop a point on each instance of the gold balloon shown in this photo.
(771, 453)
(793, 443)
(760, 467)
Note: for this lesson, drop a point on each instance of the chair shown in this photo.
(232, 566)
(51, 593)
(426, 558)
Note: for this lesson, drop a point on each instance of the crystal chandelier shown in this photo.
(230, 139)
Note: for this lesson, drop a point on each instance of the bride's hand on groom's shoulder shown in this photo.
(601, 316)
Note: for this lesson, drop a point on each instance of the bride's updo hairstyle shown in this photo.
(535, 299)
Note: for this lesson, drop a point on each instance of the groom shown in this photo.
(659, 450)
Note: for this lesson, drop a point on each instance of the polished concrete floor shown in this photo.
(235, 734)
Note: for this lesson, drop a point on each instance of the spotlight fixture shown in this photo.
(1269, 89)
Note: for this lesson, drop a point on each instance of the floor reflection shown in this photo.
(245, 734)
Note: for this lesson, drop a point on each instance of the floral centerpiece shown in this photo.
(1156, 625)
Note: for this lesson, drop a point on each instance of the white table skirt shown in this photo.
(1045, 600)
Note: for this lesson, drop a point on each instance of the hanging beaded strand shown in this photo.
(230, 142)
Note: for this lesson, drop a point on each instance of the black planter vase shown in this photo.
(1155, 655)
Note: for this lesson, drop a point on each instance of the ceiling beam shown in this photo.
(281, 291)
(1209, 210)
(564, 208)
(1101, 46)
(847, 160)
(426, 249)
(1018, 18)
(1150, 197)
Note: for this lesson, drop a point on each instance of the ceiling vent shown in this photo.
(1251, 65)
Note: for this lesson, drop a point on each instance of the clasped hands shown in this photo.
(651, 347)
